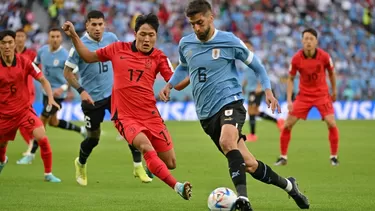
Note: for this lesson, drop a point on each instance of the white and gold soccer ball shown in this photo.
(221, 199)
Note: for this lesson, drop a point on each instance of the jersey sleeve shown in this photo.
(106, 53)
(329, 63)
(241, 52)
(73, 59)
(293, 66)
(37, 59)
(165, 67)
(181, 57)
(33, 70)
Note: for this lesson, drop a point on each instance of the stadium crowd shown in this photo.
(273, 26)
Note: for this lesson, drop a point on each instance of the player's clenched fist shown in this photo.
(290, 106)
(68, 28)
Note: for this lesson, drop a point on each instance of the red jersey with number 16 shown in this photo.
(134, 75)
(14, 92)
(313, 83)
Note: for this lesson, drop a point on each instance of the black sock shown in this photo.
(68, 126)
(87, 146)
(35, 147)
(252, 122)
(265, 174)
(237, 171)
(267, 117)
(137, 156)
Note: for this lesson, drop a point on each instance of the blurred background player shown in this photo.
(133, 105)
(311, 62)
(253, 88)
(95, 92)
(14, 95)
(52, 57)
(21, 38)
(208, 56)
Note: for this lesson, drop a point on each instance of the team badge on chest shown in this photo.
(215, 53)
(148, 64)
(56, 62)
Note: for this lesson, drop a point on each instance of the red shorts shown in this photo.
(154, 129)
(28, 120)
(302, 107)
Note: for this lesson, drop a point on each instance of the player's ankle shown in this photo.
(333, 156)
(47, 174)
(284, 157)
(137, 164)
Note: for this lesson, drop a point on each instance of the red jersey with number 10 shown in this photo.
(313, 83)
(134, 75)
(14, 92)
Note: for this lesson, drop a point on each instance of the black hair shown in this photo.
(94, 14)
(311, 31)
(20, 30)
(197, 6)
(5, 33)
(150, 19)
(54, 29)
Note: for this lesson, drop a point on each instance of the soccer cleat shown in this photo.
(81, 173)
(300, 199)
(149, 173)
(280, 124)
(140, 172)
(184, 190)
(27, 159)
(242, 204)
(281, 161)
(251, 137)
(334, 161)
(2, 165)
(51, 178)
(83, 131)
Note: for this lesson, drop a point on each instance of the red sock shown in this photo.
(26, 136)
(46, 154)
(284, 141)
(158, 168)
(3, 150)
(334, 140)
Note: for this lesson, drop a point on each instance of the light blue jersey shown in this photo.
(53, 66)
(212, 70)
(250, 77)
(96, 78)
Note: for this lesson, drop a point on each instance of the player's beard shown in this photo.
(203, 36)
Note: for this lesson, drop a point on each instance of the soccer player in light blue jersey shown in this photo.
(208, 58)
(253, 89)
(95, 92)
(52, 58)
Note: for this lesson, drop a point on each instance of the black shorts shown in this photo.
(54, 109)
(255, 98)
(94, 115)
(233, 114)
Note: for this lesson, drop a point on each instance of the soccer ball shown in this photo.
(221, 199)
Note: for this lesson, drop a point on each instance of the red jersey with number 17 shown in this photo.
(14, 92)
(134, 75)
(313, 83)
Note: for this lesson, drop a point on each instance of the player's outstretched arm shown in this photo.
(72, 80)
(86, 55)
(47, 88)
(332, 79)
(179, 75)
(183, 84)
(289, 91)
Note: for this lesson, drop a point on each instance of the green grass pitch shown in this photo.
(348, 187)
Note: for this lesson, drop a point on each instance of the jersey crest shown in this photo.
(55, 62)
(215, 53)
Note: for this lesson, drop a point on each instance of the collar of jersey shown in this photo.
(313, 57)
(57, 50)
(88, 37)
(213, 36)
(14, 63)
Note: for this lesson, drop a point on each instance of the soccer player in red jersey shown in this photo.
(21, 49)
(311, 62)
(16, 110)
(134, 111)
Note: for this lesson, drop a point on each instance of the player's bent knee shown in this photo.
(142, 143)
(39, 133)
(94, 134)
(3, 144)
(290, 122)
(330, 120)
(251, 165)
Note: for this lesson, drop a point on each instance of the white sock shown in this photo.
(135, 164)
(333, 156)
(284, 156)
(46, 174)
(176, 185)
(289, 186)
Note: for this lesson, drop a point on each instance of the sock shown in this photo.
(87, 146)
(46, 154)
(334, 140)
(158, 168)
(68, 126)
(136, 154)
(35, 147)
(237, 171)
(3, 151)
(267, 117)
(252, 124)
(284, 141)
(265, 174)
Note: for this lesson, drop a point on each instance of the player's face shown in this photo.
(20, 38)
(201, 24)
(145, 38)
(309, 41)
(54, 39)
(7, 46)
(95, 28)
